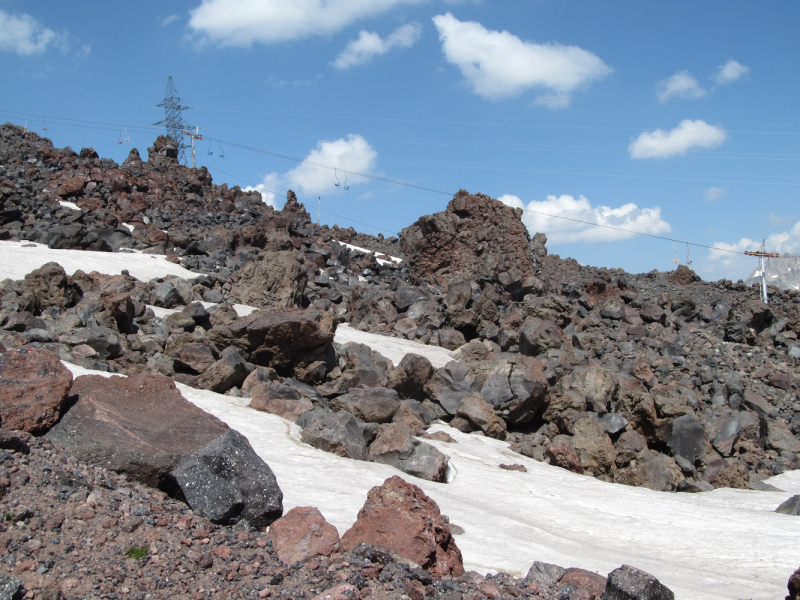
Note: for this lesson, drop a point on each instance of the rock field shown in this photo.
(120, 488)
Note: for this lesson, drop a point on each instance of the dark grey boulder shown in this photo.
(229, 371)
(406, 296)
(337, 433)
(545, 574)
(535, 340)
(395, 447)
(410, 376)
(687, 438)
(106, 342)
(790, 507)
(10, 588)
(226, 481)
(371, 405)
(450, 385)
(312, 416)
(611, 423)
(629, 583)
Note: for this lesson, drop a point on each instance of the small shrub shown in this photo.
(137, 552)
(8, 516)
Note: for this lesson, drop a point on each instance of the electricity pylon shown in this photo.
(173, 119)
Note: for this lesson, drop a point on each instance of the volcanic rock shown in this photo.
(629, 583)
(226, 481)
(394, 446)
(301, 534)
(138, 425)
(34, 386)
(337, 433)
(399, 517)
(476, 238)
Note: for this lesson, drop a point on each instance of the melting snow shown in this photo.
(71, 205)
(20, 258)
(394, 259)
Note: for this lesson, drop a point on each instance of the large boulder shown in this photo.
(410, 376)
(363, 366)
(477, 238)
(481, 415)
(49, 286)
(282, 400)
(138, 425)
(337, 433)
(229, 371)
(399, 517)
(629, 583)
(301, 534)
(371, 405)
(449, 385)
(276, 279)
(226, 481)
(34, 386)
(394, 446)
(282, 340)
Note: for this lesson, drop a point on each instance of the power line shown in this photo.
(449, 194)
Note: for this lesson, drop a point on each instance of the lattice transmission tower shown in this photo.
(173, 119)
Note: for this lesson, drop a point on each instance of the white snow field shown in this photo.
(726, 544)
(17, 259)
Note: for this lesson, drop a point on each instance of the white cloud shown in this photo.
(243, 22)
(307, 179)
(780, 220)
(730, 72)
(498, 64)
(714, 193)
(689, 134)
(368, 45)
(719, 263)
(26, 36)
(169, 20)
(552, 216)
(681, 85)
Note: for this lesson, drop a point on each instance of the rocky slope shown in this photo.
(659, 380)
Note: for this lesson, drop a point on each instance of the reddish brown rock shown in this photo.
(683, 275)
(589, 585)
(287, 408)
(50, 286)
(302, 533)
(138, 425)
(564, 456)
(71, 187)
(399, 516)
(476, 238)
(33, 389)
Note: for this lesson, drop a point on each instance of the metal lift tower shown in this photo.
(173, 119)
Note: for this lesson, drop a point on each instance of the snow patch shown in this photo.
(71, 205)
(394, 259)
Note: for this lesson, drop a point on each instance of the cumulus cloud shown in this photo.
(352, 153)
(552, 215)
(498, 64)
(689, 134)
(244, 22)
(714, 193)
(730, 72)
(368, 45)
(681, 85)
(24, 35)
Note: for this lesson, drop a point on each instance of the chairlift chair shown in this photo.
(221, 151)
(119, 138)
(127, 137)
(210, 151)
(688, 261)
(45, 125)
(346, 187)
(337, 184)
(675, 260)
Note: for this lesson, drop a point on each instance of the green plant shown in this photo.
(8, 516)
(137, 552)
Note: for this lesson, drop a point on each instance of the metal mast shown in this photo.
(173, 119)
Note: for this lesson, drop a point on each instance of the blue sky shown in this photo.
(677, 119)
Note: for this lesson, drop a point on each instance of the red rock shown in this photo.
(71, 187)
(564, 456)
(399, 516)
(302, 533)
(590, 585)
(283, 407)
(33, 389)
(138, 425)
